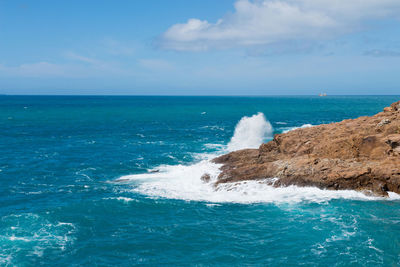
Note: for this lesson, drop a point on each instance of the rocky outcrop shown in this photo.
(205, 178)
(359, 154)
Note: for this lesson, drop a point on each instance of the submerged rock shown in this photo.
(359, 154)
(205, 178)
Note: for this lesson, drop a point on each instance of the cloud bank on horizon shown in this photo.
(264, 22)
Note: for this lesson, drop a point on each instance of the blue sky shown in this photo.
(200, 47)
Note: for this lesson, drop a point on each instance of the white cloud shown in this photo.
(156, 64)
(45, 69)
(118, 48)
(382, 53)
(38, 69)
(85, 59)
(91, 64)
(262, 22)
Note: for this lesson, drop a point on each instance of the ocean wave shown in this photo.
(250, 132)
(34, 234)
(288, 129)
(185, 184)
(123, 199)
(213, 127)
(184, 181)
(215, 146)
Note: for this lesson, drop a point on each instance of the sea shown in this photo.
(115, 181)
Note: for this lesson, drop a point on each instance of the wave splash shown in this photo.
(288, 129)
(183, 181)
(250, 132)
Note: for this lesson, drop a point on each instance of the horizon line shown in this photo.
(198, 95)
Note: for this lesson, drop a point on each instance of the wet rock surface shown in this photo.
(205, 178)
(359, 154)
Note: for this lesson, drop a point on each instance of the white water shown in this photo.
(250, 132)
(294, 128)
(183, 182)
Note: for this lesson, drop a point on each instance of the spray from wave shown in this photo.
(250, 132)
(184, 182)
(288, 129)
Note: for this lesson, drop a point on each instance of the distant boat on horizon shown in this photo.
(322, 94)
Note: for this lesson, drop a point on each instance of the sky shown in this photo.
(200, 47)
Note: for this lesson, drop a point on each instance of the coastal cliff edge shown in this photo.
(360, 154)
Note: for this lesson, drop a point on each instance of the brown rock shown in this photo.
(361, 154)
(395, 106)
(205, 178)
(388, 109)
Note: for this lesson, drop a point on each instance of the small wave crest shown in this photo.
(32, 234)
(288, 129)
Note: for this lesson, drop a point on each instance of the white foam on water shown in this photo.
(15, 238)
(35, 233)
(212, 146)
(177, 181)
(184, 184)
(210, 205)
(184, 181)
(123, 199)
(394, 196)
(300, 127)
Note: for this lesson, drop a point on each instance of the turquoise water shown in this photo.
(61, 202)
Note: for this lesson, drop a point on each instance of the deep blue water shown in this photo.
(60, 204)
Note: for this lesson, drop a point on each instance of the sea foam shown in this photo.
(288, 129)
(183, 181)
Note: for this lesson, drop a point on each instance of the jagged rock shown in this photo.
(352, 154)
(395, 106)
(383, 122)
(388, 109)
(205, 178)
